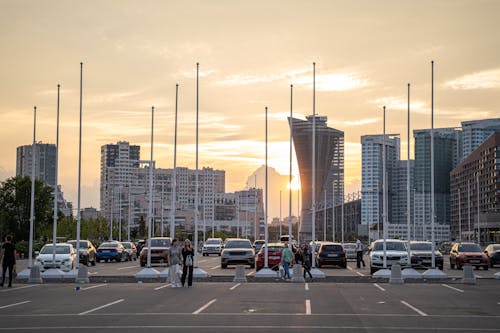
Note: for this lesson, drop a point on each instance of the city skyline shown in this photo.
(129, 66)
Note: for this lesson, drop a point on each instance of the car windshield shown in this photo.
(212, 242)
(160, 242)
(238, 244)
(391, 246)
(469, 248)
(421, 246)
(83, 244)
(495, 248)
(331, 248)
(127, 245)
(272, 249)
(59, 249)
(109, 245)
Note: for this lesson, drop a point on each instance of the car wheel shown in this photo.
(106, 260)
(485, 267)
(223, 266)
(344, 266)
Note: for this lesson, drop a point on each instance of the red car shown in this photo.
(159, 251)
(467, 253)
(274, 256)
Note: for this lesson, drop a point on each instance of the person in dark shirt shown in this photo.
(8, 255)
(187, 263)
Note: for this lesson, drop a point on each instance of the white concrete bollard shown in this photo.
(82, 275)
(35, 276)
(396, 276)
(297, 276)
(469, 277)
(240, 276)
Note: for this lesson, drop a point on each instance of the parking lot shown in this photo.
(211, 265)
(251, 307)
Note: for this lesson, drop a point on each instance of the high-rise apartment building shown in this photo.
(475, 132)
(45, 162)
(329, 166)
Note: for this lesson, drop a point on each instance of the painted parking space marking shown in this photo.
(215, 267)
(96, 286)
(420, 312)
(205, 306)
(14, 304)
(306, 286)
(308, 306)
(93, 273)
(452, 288)
(127, 267)
(17, 288)
(360, 274)
(101, 307)
(235, 286)
(379, 287)
(164, 286)
(251, 273)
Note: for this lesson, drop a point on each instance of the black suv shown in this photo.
(87, 252)
(421, 255)
(331, 254)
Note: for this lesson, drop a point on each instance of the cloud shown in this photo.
(479, 80)
(359, 122)
(337, 81)
(399, 103)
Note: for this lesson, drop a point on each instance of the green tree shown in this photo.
(15, 205)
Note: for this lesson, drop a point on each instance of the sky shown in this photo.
(249, 53)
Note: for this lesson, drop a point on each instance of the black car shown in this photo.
(421, 255)
(331, 254)
(87, 252)
(493, 253)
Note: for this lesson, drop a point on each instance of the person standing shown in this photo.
(286, 258)
(306, 261)
(8, 254)
(174, 260)
(187, 263)
(359, 254)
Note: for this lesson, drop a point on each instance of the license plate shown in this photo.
(105, 250)
(333, 255)
(474, 261)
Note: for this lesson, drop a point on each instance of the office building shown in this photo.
(475, 133)
(45, 162)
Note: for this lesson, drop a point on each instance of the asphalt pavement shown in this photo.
(251, 307)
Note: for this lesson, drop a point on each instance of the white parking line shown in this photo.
(306, 286)
(251, 273)
(453, 288)
(15, 304)
(379, 287)
(360, 274)
(96, 286)
(164, 286)
(215, 267)
(308, 306)
(415, 309)
(349, 268)
(92, 273)
(235, 286)
(128, 267)
(101, 307)
(17, 288)
(479, 276)
(205, 306)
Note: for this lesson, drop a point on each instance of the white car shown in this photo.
(65, 257)
(212, 246)
(350, 250)
(396, 252)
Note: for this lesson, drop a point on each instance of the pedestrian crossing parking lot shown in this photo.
(251, 307)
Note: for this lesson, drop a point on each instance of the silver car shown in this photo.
(212, 246)
(350, 250)
(237, 251)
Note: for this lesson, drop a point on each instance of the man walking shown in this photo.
(8, 253)
(359, 254)
(286, 258)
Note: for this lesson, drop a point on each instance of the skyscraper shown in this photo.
(475, 132)
(45, 162)
(329, 166)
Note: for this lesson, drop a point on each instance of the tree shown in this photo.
(15, 205)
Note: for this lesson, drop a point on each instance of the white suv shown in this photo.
(212, 246)
(396, 252)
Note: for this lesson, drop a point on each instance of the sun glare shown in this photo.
(294, 185)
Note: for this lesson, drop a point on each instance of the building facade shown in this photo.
(475, 194)
(329, 166)
(45, 162)
(475, 132)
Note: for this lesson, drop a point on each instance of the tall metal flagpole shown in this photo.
(478, 225)
(408, 216)
(313, 206)
(79, 213)
(266, 233)
(281, 231)
(129, 212)
(112, 211)
(333, 212)
(150, 204)
(468, 208)
(433, 213)
(54, 230)
(174, 176)
(324, 217)
(32, 207)
(255, 215)
(196, 175)
(120, 213)
(342, 214)
(290, 169)
(459, 218)
(384, 199)
(162, 208)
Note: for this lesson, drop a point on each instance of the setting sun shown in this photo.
(294, 185)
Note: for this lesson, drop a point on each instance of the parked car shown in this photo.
(317, 246)
(159, 251)
(212, 246)
(467, 253)
(492, 251)
(111, 250)
(350, 250)
(273, 256)
(237, 251)
(257, 244)
(396, 253)
(131, 250)
(65, 259)
(330, 253)
(421, 255)
(87, 252)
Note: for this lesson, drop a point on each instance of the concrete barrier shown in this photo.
(83, 274)
(396, 276)
(297, 276)
(35, 276)
(240, 276)
(469, 277)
